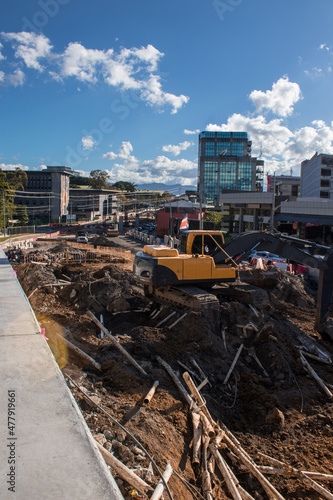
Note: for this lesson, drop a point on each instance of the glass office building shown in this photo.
(226, 166)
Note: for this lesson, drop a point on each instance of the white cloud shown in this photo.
(314, 72)
(160, 169)
(1, 55)
(124, 153)
(280, 100)
(281, 147)
(324, 46)
(88, 143)
(191, 132)
(133, 68)
(176, 149)
(16, 78)
(155, 96)
(11, 166)
(30, 47)
(2, 76)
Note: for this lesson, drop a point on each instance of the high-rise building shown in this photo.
(317, 177)
(226, 166)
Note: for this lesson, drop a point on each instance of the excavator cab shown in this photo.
(194, 264)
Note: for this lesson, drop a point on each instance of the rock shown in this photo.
(100, 438)
(72, 294)
(108, 435)
(275, 417)
(266, 331)
(118, 305)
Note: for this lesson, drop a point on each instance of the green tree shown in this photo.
(215, 217)
(98, 179)
(125, 186)
(77, 180)
(9, 183)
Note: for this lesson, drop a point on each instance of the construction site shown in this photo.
(229, 402)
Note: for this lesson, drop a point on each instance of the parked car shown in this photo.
(82, 239)
(268, 258)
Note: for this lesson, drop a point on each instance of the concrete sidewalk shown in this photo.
(46, 449)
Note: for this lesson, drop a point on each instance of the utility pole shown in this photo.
(4, 213)
(273, 206)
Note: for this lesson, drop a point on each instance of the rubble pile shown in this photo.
(259, 397)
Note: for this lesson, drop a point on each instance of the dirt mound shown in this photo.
(269, 401)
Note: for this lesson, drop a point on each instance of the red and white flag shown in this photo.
(184, 224)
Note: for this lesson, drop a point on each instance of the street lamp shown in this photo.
(218, 175)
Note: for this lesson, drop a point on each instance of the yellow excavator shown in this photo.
(197, 273)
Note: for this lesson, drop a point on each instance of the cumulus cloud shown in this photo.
(281, 147)
(177, 149)
(11, 166)
(191, 132)
(16, 78)
(1, 55)
(280, 100)
(124, 153)
(133, 68)
(30, 47)
(88, 143)
(160, 169)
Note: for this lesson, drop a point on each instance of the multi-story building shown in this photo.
(46, 193)
(284, 185)
(226, 166)
(86, 204)
(317, 177)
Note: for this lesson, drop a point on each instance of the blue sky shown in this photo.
(126, 86)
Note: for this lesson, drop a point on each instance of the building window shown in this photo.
(325, 172)
(294, 190)
(324, 194)
(221, 146)
(210, 149)
(324, 183)
(238, 148)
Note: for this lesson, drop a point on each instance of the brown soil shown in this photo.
(300, 433)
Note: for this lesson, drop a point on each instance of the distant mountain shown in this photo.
(172, 188)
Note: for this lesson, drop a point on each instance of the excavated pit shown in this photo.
(273, 407)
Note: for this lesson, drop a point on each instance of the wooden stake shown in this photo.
(319, 381)
(306, 479)
(158, 492)
(233, 364)
(208, 429)
(178, 321)
(116, 343)
(81, 353)
(124, 472)
(225, 473)
(266, 469)
(151, 392)
(177, 382)
(203, 376)
(243, 493)
(197, 431)
(165, 319)
(197, 396)
(235, 446)
(206, 483)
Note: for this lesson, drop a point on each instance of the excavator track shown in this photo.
(244, 292)
(186, 296)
